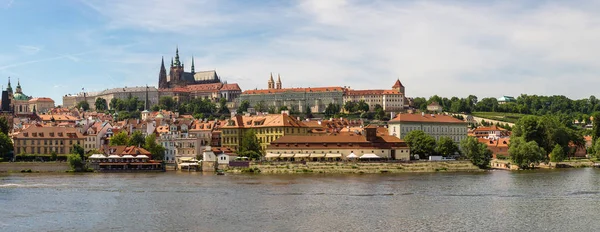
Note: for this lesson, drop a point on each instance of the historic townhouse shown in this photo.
(268, 128)
(392, 100)
(45, 140)
(436, 125)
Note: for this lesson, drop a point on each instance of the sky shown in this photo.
(488, 48)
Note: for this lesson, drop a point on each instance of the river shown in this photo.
(564, 200)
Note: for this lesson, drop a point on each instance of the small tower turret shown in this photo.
(278, 81)
(271, 83)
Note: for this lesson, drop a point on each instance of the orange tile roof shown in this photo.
(491, 128)
(33, 132)
(308, 90)
(204, 87)
(426, 118)
(342, 140)
(397, 84)
(270, 120)
(41, 99)
(231, 87)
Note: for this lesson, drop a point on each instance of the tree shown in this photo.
(524, 154)
(78, 150)
(155, 108)
(53, 156)
(120, 139)
(332, 109)
(476, 152)
(362, 106)
(262, 107)
(113, 103)
(350, 106)
(4, 126)
(167, 103)
(250, 146)
(83, 105)
(379, 112)
(308, 112)
(223, 106)
(445, 146)
(595, 127)
(101, 104)
(136, 139)
(75, 162)
(557, 154)
(6, 146)
(243, 106)
(157, 150)
(420, 143)
(283, 108)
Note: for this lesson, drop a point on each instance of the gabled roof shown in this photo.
(397, 84)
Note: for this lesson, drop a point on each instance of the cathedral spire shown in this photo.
(278, 81)
(9, 88)
(162, 75)
(177, 63)
(171, 61)
(193, 70)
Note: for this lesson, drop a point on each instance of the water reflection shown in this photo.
(491, 201)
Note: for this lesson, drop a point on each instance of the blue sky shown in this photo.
(445, 47)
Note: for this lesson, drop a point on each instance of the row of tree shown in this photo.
(425, 145)
(524, 104)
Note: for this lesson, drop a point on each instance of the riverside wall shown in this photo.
(34, 166)
(360, 167)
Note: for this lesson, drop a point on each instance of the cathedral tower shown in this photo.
(271, 83)
(162, 75)
(278, 81)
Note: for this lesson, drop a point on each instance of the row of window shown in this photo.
(39, 150)
(46, 142)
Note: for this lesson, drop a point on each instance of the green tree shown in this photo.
(167, 103)
(157, 150)
(420, 143)
(83, 105)
(155, 108)
(243, 107)
(78, 150)
(120, 139)
(476, 152)
(283, 108)
(332, 109)
(262, 107)
(136, 139)
(223, 106)
(6, 146)
(75, 162)
(101, 104)
(596, 149)
(557, 154)
(4, 126)
(53, 156)
(308, 112)
(250, 146)
(350, 106)
(362, 106)
(595, 127)
(379, 112)
(525, 154)
(445, 146)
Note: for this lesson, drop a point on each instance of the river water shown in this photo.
(565, 200)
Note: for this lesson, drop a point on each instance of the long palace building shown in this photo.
(317, 98)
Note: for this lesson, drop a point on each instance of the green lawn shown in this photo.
(504, 117)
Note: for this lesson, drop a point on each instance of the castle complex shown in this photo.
(178, 77)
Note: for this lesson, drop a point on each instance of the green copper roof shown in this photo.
(20, 96)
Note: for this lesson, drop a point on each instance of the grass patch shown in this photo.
(504, 117)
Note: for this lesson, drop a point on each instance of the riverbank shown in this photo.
(34, 166)
(358, 167)
(507, 164)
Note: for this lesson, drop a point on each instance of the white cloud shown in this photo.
(434, 47)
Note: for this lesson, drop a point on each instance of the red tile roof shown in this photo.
(231, 87)
(426, 118)
(397, 84)
(308, 90)
(41, 99)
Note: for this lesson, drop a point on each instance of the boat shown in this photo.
(220, 172)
